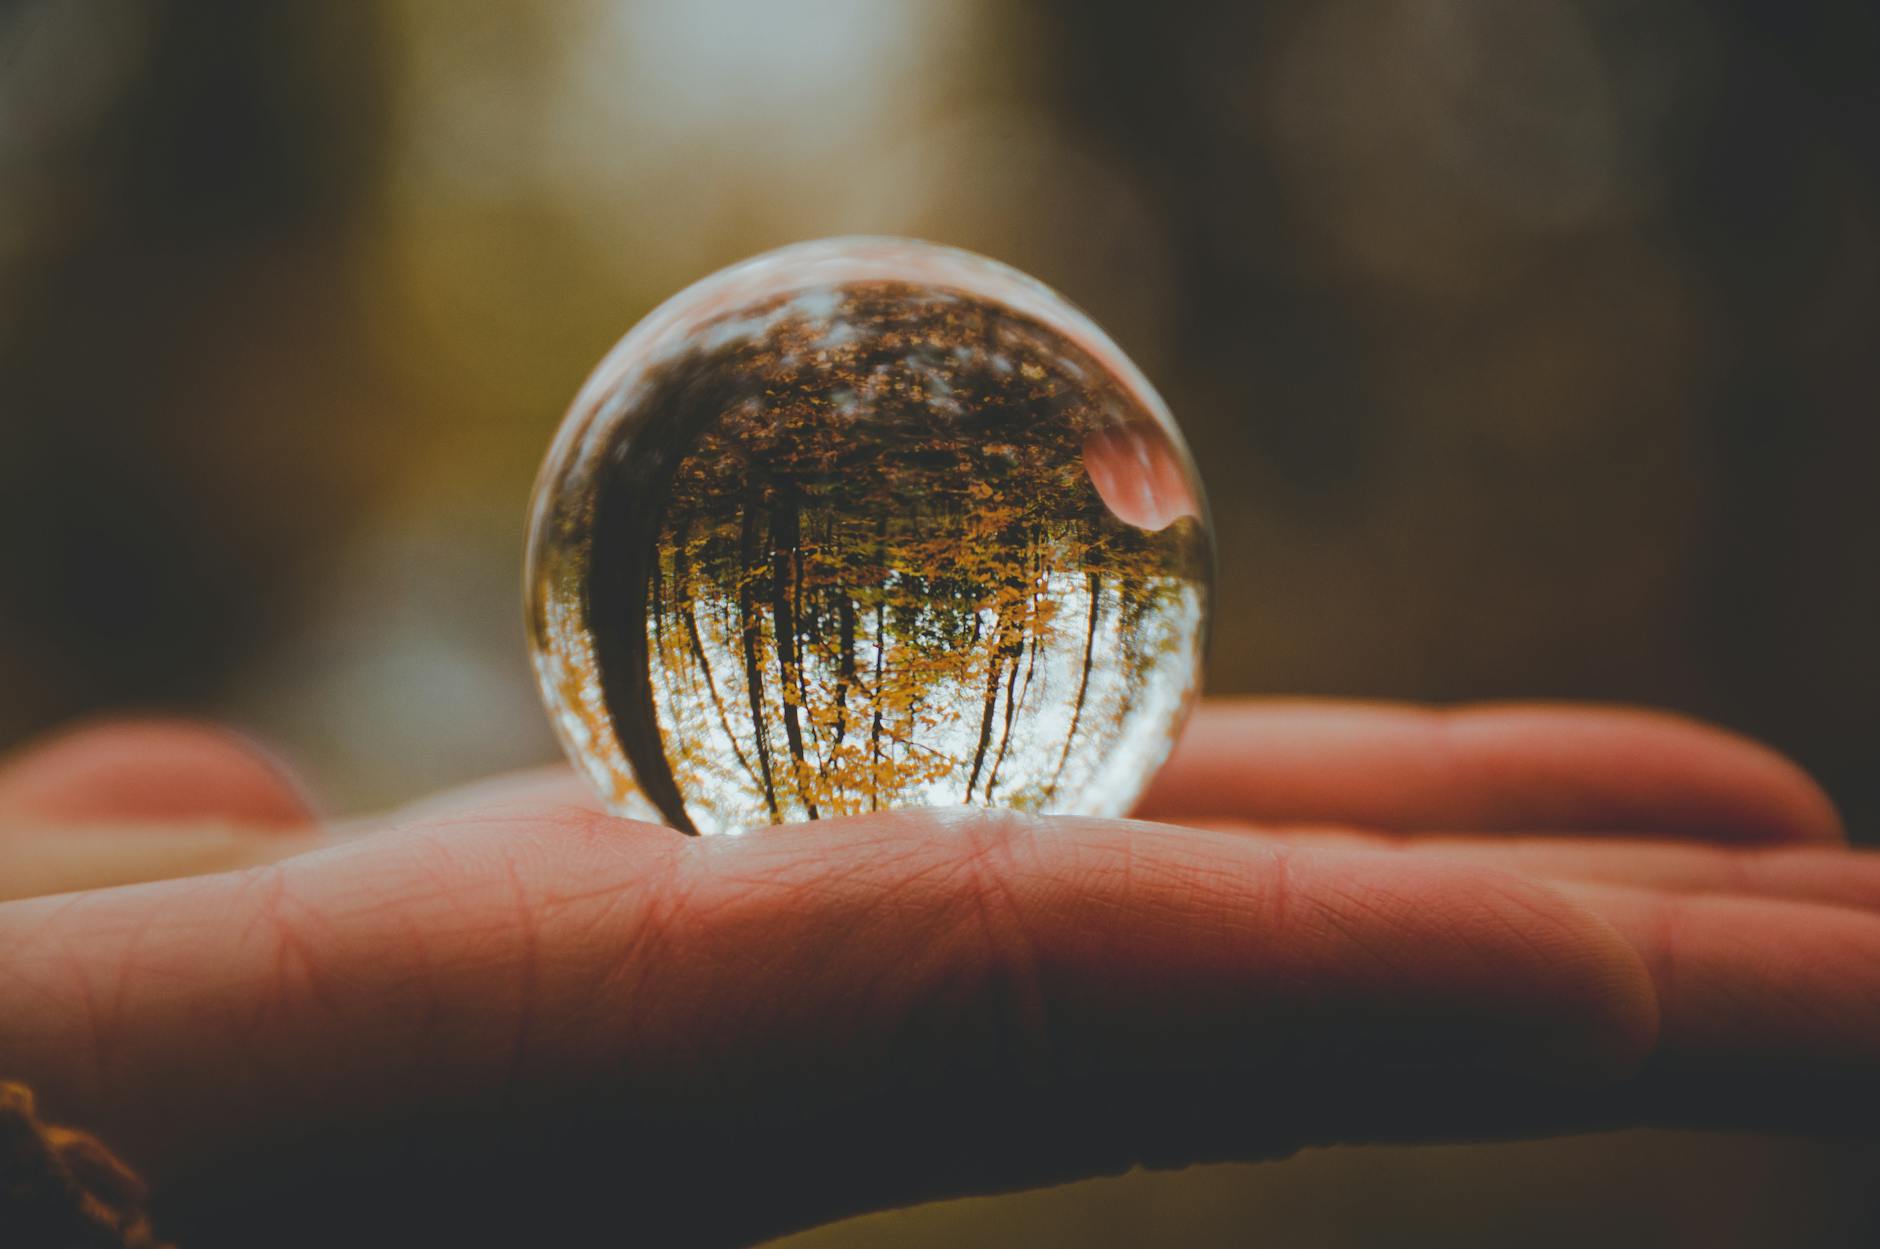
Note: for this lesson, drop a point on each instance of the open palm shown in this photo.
(505, 1014)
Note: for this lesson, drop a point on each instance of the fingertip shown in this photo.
(155, 770)
(1577, 991)
(1626, 1020)
(1772, 980)
(1737, 788)
(1805, 809)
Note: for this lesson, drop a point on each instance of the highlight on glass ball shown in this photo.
(863, 524)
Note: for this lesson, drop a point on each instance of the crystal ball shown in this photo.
(862, 524)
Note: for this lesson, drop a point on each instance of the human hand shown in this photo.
(505, 1016)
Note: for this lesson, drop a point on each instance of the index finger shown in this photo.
(718, 998)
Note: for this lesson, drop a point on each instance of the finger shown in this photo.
(129, 772)
(1787, 983)
(1769, 1021)
(1839, 876)
(727, 993)
(1771, 1014)
(1770, 1009)
(1490, 768)
(119, 802)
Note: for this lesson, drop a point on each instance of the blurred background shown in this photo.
(1528, 351)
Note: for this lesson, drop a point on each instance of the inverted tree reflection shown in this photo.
(864, 546)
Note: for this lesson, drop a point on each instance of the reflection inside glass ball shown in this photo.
(864, 524)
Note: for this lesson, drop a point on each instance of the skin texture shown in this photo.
(503, 1014)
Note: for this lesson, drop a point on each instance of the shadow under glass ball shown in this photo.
(863, 524)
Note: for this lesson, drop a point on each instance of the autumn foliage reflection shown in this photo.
(884, 544)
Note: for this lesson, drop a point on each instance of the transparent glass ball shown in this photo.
(862, 524)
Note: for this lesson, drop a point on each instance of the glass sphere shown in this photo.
(862, 524)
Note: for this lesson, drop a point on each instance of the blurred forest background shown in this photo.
(1527, 349)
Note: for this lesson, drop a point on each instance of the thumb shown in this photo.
(121, 801)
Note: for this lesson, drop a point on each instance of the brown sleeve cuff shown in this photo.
(61, 1188)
